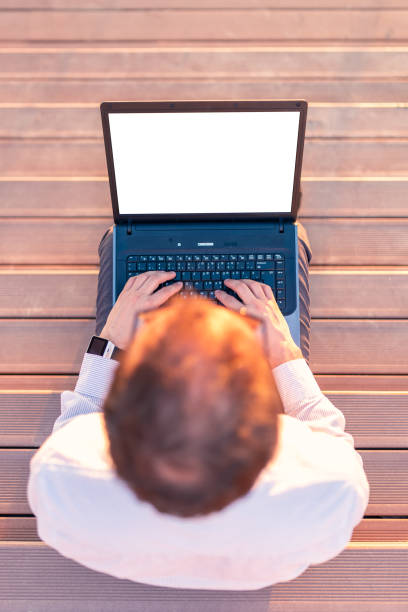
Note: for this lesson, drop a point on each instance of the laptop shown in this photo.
(209, 189)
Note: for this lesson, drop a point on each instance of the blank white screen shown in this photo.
(204, 162)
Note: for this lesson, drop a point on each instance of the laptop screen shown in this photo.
(204, 162)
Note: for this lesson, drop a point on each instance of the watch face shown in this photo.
(97, 346)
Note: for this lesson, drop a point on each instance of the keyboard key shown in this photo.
(215, 276)
(280, 274)
(233, 257)
(281, 304)
(152, 257)
(206, 258)
(142, 267)
(278, 256)
(191, 265)
(208, 285)
(218, 285)
(235, 274)
(251, 257)
(161, 258)
(181, 265)
(210, 265)
(186, 276)
(280, 265)
(200, 266)
(265, 265)
(198, 285)
(255, 274)
(250, 265)
(215, 257)
(169, 257)
(220, 265)
(196, 276)
(280, 284)
(133, 258)
(161, 265)
(205, 276)
(132, 267)
(188, 257)
(143, 258)
(240, 265)
(179, 257)
(268, 256)
(268, 277)
(241, 257)
(151, 265)
(280, 294)
(230, 265)
(260, 257)
(224, 257)
(196, 257)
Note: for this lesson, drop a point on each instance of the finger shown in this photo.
(255, 287)
(153, 280)
(228, 300)
(164, 294)
(241, 289)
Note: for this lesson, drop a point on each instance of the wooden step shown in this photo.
(345, 581)
(387, 473)
(375, 419)
(194, 4)
(324, 120)
(90, 197)
(335, 242)
(98, 89)
(327, 382)
(209, 62)
(24, 529)
(338, 346)
(334, 292)
(204, 25)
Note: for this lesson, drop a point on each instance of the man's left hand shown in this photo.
(137, 297)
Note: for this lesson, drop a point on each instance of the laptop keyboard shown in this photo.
(204, 273)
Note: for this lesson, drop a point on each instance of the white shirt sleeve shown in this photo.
(92, 386)
(303, 399)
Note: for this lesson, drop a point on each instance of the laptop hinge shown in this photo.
(129, 226)
(281, 226)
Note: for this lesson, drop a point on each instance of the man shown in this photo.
(209, 457)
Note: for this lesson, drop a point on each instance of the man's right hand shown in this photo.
(259, 302)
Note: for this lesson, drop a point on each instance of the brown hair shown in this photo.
(191, 415)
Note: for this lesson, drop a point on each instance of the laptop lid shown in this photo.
(204, 160)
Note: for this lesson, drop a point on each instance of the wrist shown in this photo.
(286, 351)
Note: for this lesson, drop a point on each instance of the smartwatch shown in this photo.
(103, 348)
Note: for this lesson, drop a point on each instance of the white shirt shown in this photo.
(300, 511)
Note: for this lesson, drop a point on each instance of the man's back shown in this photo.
(301, 510)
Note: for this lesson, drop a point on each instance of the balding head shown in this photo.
(192, 413)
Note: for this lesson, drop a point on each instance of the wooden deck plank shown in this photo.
(324, 157)
(326, 587)
(211, 62)
(24, 529)
(194, 4)
(95, 90)
(205, 25)
(90, 197)
(71, 292)
(338, 346)
(328, 383)
(376, 420)
(335, 242)
(329, 120)
(387, 473)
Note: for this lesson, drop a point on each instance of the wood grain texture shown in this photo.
(215, 61)
(334, 292)
(194, 4)
(24, 529)
(47, 574)
(84, 158)
(375, 420)
(335, 242)
(90, 197)
(323, 121)
(338, 346)
(205, 25)
(387, 473)
(327, 382)
(96, 89)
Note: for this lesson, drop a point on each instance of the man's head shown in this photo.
(191, 416)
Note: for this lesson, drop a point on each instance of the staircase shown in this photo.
(58, 60)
